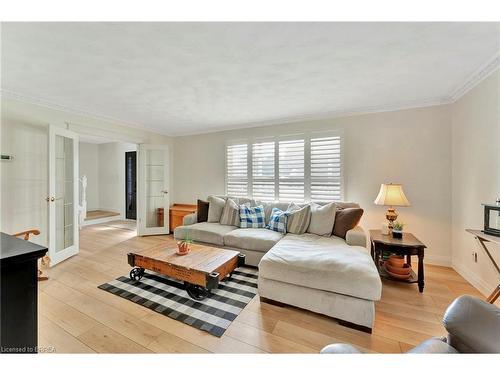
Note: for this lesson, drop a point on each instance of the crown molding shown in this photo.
(475, 78)
(326, 115)
(28, 99)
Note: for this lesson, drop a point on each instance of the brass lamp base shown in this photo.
(391, 215)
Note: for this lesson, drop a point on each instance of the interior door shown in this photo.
(152, 190)
(63, 194)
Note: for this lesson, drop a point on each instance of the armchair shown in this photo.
(473, 326)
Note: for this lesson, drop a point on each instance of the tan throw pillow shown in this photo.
(346, 220)
(215, 207)
(298, 218)
(322, 219)
(230, 213)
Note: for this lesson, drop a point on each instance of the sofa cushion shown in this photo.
(298, 218)
(322, 219)
(211, 233)
(215, 207)
(251, 217)
(324, 263)
(345, 220)
(278, 220)
(230, 213)
(257, 239)
(202, 211)
(268, 208)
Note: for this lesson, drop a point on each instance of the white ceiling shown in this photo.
(181, 78)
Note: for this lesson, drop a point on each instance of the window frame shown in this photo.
(306, 137)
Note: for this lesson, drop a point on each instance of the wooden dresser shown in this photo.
(19, 294)
(177, 213)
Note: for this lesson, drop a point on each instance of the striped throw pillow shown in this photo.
(278, 220)
(252, 217)
(298, 218)
(230, 213)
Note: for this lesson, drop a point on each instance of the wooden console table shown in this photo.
(482, 238)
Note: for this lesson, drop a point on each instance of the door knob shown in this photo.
(51, 199)
(164, 191)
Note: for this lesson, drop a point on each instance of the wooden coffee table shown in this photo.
(201, 269)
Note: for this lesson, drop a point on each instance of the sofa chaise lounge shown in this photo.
(324, 274)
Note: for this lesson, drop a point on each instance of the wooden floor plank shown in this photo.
(264, 340)
(224, 344)
(66, 317)
(127, 325)
(103, 339)
(53, 336)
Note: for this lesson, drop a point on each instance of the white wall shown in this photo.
(111, 177)
(475, 177)
(89, 166)
(411, 147)
(24, 180)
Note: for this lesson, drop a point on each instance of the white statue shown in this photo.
(82, 207)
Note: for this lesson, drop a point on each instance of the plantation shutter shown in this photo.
(291, 170)
(263, 171)
(326, 172)
(237, 170)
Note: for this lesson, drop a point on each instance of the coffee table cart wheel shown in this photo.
(136, 273)
(196, 292)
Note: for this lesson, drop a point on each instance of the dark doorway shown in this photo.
(131, 185)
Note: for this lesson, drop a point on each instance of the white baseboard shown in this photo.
(477, 282)
(438, 260)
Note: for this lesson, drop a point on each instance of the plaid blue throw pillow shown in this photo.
(278, 220)
(252, 217)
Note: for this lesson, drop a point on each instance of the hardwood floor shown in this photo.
(77, 317)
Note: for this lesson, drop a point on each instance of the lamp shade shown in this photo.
(391, 195)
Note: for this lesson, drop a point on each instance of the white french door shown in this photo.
(63, 194)
(152, 190)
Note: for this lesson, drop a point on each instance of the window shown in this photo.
(307, 168)
(263, 171)
(325, 169)
(291, 170)
(237, 170)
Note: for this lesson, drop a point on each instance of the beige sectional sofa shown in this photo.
(327, 275)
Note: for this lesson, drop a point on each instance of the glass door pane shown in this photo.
(155, 181)
(64, 193)
(152, 184)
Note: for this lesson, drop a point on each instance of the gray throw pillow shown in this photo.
(298, 218)
(322, 219)
(215, 207)
(230, 213)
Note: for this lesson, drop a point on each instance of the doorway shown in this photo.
(131, 185)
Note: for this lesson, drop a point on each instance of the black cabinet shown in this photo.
(18, 294)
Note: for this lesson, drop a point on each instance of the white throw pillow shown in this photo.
(322, 219)
(215, 207)
(230, 213)
(298, 218)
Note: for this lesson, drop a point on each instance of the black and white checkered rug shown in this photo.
(168, 297)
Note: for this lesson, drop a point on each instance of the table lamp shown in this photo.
(391, 195)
